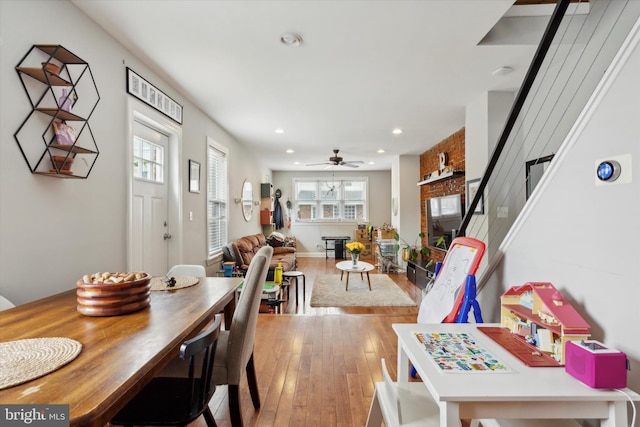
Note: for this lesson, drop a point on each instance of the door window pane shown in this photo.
(148, 160)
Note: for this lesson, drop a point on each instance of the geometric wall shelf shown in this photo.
(55, 138)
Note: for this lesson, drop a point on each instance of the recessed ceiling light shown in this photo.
(371, 163)
(296, 163)
(501, 71)
(279, 131)
(291, 39)
(380, 151)
(290, 151)
(396, 131)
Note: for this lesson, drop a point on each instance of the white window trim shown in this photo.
(137, 111)
(294, 218)
(211, 143)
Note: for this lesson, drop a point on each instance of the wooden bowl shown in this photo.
(115, 310)
(111, 299)
(109, 288)
(62, 163)
(112, 293)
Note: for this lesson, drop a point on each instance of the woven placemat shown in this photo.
(161, 283)
(28, 359)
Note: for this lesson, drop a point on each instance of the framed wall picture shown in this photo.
(194, 176)
(472, 189)
(151, 95)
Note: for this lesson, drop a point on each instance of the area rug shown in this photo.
(328, 291)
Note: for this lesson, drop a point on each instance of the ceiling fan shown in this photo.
(336, 160)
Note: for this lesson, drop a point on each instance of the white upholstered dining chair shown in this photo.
(194, 270)
(234, 353)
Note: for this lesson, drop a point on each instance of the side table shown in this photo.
(295, 275)
(348, 267)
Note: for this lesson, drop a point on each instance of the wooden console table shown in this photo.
(418, 274)
(338, 246)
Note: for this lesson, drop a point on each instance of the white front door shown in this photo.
(150, 228)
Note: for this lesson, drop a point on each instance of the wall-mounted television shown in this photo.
(444, 216)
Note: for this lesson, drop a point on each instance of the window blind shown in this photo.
(216, 198)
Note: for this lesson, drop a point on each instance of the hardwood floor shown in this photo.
(318, 366)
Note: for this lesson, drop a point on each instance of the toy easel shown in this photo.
(448, 301)
(468, 302)
(444, 301)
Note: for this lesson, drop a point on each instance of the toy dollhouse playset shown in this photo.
(537, 313)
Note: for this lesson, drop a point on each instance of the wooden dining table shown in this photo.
(120, 354)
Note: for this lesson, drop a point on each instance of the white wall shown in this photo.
(308, 235)
(407, 192)
(477, 152)
(582, 237)
(53, 230)
(484, 122)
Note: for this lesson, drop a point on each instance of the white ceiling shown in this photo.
(364, 68)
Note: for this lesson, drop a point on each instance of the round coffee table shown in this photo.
(361, 267)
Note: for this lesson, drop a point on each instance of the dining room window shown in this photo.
(318, 200)
(217, 191)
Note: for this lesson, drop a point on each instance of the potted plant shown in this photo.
(411, 253)
(355, 248)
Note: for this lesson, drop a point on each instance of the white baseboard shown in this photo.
(311, 254)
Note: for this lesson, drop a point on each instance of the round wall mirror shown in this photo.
(247, 200)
